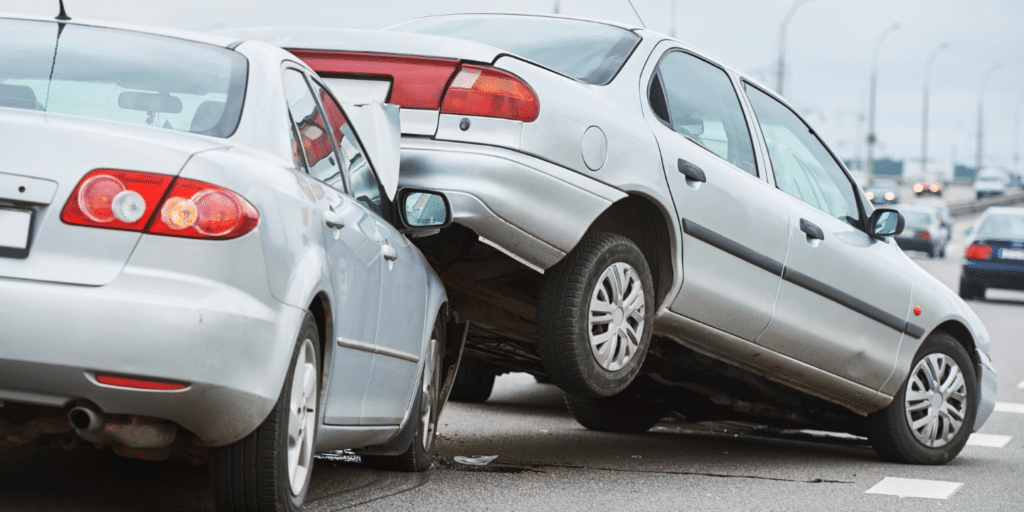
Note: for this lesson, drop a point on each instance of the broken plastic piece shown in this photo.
(475, 460)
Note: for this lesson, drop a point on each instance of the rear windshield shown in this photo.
(121, 75)
(1006, 227)
(589, 52)
(917, 218)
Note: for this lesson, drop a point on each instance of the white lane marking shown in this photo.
(1021, 385)
(990, 440)
(1009, 407)
(911, 488)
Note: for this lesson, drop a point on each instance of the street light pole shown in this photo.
(1016, 135)
(981, 104)
(672, 20)
(870, 171)
(924, 115)
(782, 44)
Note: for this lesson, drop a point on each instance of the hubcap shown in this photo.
(616, 316)
(431, 383)
(936, 400)
(302, 416)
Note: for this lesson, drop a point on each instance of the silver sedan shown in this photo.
(201, 257)
(651, 229)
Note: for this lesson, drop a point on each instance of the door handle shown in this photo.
(692, 172)
(334, 219)
(390, 254)
(811, 230)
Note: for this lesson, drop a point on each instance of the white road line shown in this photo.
(911, 488)
(990, 440)
(1021, 385)
(1009, 407)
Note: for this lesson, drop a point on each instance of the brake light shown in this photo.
(489, 92)
(925, 235)
(918, 187)
(135, 201)
(125, 382)
(977, 251)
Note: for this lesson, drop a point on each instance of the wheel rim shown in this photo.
(431, 382)
(302, 416)
(936, 400)
(617, 311)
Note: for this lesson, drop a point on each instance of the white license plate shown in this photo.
(350, 90)
(1011, 254)
(14, 228)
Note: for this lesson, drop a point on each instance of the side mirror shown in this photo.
(969, 231)
(423, 212)
(885, 222)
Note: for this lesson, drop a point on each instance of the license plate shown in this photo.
(15, 228)
(1011, 254)
(350, 90)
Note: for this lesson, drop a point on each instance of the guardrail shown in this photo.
(960, 209)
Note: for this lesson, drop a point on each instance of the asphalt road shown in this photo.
(546, 461)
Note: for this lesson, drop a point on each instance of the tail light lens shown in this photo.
(140, 201)
(977, 251)
(918, 187)
(488, 92)
(925, 235)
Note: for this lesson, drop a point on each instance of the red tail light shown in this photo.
(926, 235)
(977, 251)
(488, 92)
(417, 82)
(125, 382)
(129, 200)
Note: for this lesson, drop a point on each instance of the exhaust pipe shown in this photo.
(85, 419)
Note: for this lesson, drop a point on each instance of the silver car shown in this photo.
(200, 257)
(650, 229)
(924, 230)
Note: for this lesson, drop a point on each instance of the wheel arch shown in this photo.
(320, 308)
(654, 236)
(962, 335)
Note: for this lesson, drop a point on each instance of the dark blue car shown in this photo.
(995, 256)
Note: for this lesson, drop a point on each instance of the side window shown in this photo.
(703, 107)
(803, 167)
(313, 132)
(363, 182)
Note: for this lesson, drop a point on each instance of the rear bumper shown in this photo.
(227, 340)
(917, 244)
(994, 274)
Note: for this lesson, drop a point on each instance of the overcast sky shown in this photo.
(828, 58)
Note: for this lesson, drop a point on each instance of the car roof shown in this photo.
(187, 35)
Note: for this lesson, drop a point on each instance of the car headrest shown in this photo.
(207, 116)
(19, 96)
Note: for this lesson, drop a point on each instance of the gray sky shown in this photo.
(828, 58)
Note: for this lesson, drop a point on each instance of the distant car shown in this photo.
(942, 210)
(202, 256)
(929, 184)
(923, 231)
(883, 191)
(990, 182)
(651, 229)
(995, 253)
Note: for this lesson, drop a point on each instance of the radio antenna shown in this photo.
(63, 16)
(634, 12)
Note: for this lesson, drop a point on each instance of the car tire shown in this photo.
(594, 316)
(621, 413)
(473, 383)
(256, 473)
(932, 415)
(425, 411)
(969, 290)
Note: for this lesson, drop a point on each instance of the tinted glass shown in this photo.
(363, 182)
(313, 131)
(122, 76)
(803, 167)
(1007, 227)
(702, 105)
(587, 51)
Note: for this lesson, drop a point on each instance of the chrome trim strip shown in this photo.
(373, 349)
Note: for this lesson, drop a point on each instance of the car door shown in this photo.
(354, 253)
(845, 296)
(735, 229)
(400, 325)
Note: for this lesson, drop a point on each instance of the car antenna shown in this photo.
(62, 16)
(630, 4)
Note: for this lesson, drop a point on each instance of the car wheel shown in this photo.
(594, 316)
(426, 406)
(932, 415)
(270, 468)
(473, 382)
(620, 413)
(969, 290)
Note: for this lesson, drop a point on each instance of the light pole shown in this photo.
(924, 115)
(1016, 135)
(782, 43)
(870, 172)
(672, 20)
(557, 9)
(981, 108)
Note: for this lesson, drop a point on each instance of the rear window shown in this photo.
(1006, 227)
(121, 75)
(917, 218)
(587, 51)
